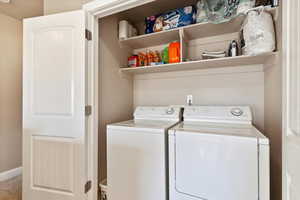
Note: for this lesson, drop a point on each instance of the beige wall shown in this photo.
(273, 116)
(10, 93)
(57, 6)
(273, 126)
(115, 92)
(236, 86)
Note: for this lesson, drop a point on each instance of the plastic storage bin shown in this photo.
(103, 190)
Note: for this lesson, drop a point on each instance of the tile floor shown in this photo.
(11, 189)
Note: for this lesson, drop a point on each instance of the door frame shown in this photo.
(285, 64)
(101, 8)
(94, 11)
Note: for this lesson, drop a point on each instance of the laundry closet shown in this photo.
(81, 73)
(241, 80)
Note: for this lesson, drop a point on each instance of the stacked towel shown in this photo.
(213, 54)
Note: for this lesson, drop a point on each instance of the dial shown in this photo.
(237, 112)
(170, 111)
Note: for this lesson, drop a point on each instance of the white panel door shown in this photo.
(291, 66)
(54, 139)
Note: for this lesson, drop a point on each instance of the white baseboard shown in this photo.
(10, 174)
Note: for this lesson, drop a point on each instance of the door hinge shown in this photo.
(88, 110)
(87, 186)
(88, 34)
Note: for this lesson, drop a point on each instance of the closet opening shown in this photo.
(248, 80)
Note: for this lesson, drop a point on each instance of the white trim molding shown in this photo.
(6, 175)
(95, 10)
(103, 8)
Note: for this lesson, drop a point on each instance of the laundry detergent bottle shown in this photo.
(174, 52)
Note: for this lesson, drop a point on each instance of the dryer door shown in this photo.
(214, 167)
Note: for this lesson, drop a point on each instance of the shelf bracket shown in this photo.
(183, 44)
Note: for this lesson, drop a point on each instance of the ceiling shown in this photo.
(138, 14)
(22, 8)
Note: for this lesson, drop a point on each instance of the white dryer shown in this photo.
(217, 154)
(137, 154)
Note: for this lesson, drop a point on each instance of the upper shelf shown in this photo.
(207, 29)
(203, 64)
(200, 30)
(193, 31)
(153, 39)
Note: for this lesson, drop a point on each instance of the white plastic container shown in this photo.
(123, 29)
(259, 33)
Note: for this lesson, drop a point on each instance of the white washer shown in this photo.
(217, 154)
(137, 154)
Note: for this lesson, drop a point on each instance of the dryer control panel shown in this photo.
(158, 113)
(231, 114)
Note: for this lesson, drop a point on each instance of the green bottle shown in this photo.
(165, 55)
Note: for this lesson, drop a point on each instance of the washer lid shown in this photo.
(223, 129)
(144, 125)
(226, 114)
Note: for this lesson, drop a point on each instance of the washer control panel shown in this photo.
(218, 113)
